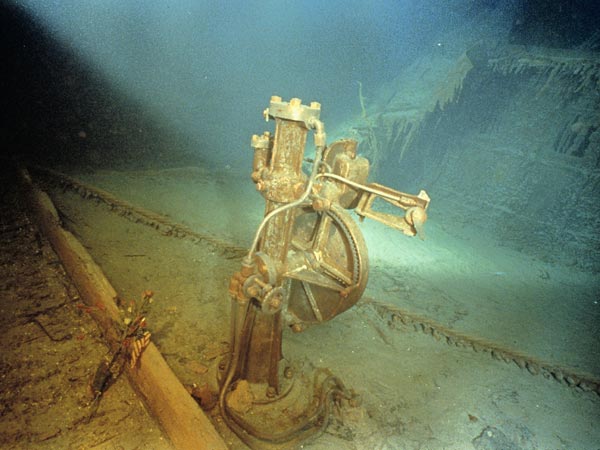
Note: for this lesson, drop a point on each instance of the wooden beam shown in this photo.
(181, 418)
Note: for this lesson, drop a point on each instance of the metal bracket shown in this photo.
(411, 223)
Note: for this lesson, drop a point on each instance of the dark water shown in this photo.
(203, 70)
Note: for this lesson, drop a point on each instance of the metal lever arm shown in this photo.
(415, 206)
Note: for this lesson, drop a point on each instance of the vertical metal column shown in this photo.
(284, 183)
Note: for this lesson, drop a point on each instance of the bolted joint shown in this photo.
(254, 286)
(239, 280)
(299, 189)
(260, 142)
(321, 204)
(271, 392)
(293, 110)
(297, 328)
(236, 286)
(260, 185)
(272, 301)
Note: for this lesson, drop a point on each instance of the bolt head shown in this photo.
(271, 392)
(275, 303)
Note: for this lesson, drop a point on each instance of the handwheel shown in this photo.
(334, 274)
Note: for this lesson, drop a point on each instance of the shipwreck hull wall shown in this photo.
(516, 154)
